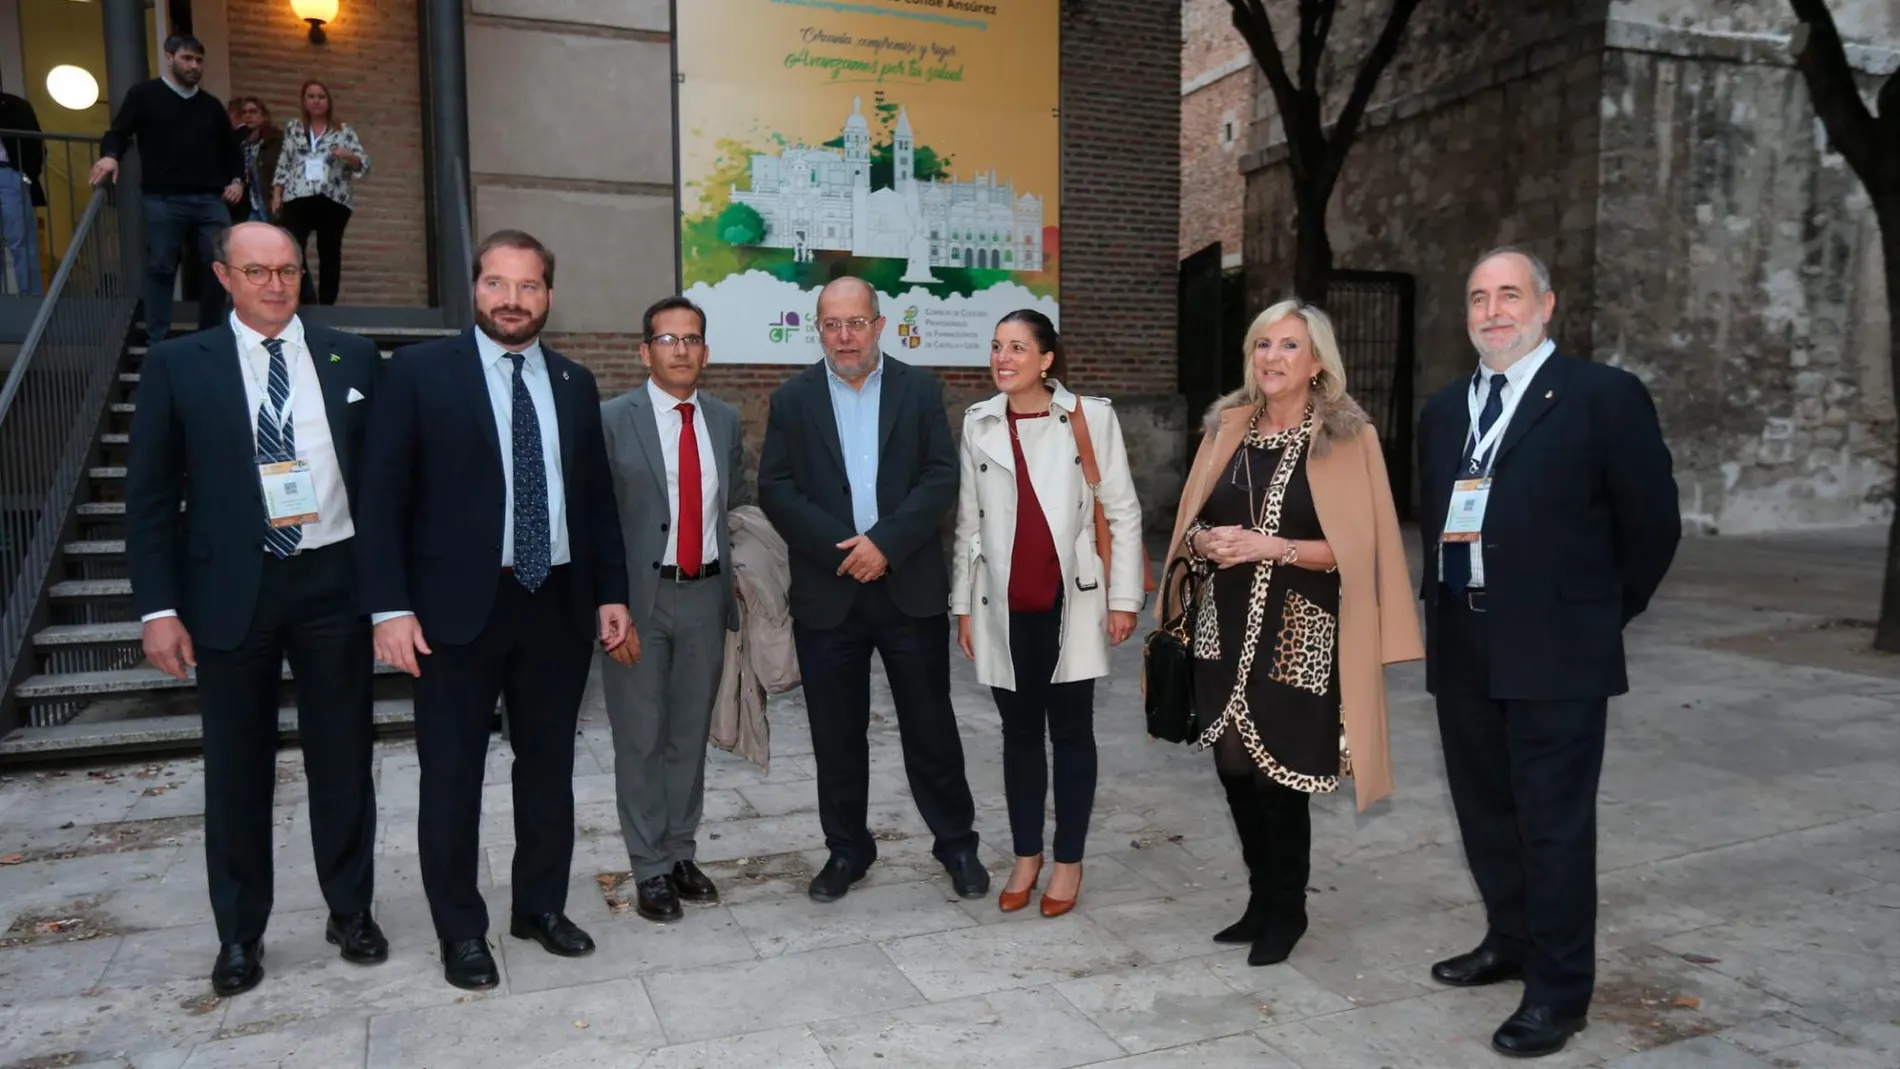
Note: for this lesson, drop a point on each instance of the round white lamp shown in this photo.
(316, 13)
(72, 87)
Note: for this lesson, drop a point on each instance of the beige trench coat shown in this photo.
(759, 657)
(1378, 619)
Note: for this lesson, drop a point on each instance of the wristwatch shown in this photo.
(1292, 552)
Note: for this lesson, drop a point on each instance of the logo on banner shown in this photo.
(908, 333)
(785, 328)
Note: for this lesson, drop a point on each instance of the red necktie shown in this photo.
(689, 493)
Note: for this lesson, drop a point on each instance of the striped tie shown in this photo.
(277, 441)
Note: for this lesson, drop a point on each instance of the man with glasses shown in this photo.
(257, 427)
(857, 473)
(677, 457)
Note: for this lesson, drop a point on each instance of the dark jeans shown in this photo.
(306, 613)
(326, 219)
(836, 665)
(1035, 643)
(1523, 777)
(171, 220)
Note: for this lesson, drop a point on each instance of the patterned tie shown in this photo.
(1457, 555)
(277, 440)
(531, 487)
(689, 532)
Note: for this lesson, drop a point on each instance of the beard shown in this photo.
(527, 332)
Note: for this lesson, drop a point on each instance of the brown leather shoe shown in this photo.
(1010, 901)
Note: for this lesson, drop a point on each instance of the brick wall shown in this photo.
(370, 64)
(1216, 103)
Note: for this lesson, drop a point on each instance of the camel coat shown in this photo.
(1378, 623)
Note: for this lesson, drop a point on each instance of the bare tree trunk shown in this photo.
(1312, 253)
(1887, 215)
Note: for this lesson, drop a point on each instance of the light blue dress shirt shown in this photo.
(499, 373)
(856, 413)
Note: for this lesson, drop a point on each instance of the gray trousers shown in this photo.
(661, 712)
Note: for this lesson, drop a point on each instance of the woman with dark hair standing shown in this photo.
(263, 145)
(1036, 606)
(321, 160)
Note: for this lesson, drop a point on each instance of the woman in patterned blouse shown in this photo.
(1303, 598)
(321, 160)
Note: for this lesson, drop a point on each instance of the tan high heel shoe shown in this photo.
(1056, 907)
(1010, 901)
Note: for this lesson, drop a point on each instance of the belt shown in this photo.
(672, 572)
(1474, 598)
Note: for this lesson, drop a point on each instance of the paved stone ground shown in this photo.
(1750, 848)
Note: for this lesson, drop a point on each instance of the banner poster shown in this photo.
(911, 143)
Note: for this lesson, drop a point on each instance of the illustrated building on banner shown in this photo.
(816, 199)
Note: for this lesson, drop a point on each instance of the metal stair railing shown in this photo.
(51, 408)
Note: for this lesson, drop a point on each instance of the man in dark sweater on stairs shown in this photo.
(193, 169)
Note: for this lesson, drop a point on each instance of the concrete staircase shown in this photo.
(91, 690)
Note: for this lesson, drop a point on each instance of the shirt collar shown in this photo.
(1519, 374)
(875, 378)
(492, 352)
(176, 88)
(666, 402)
(249, 339)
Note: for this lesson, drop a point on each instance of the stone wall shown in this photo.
(370, 63)
(1217, 100)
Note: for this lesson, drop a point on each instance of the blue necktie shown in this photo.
(277, 440)
(531, 487)
(1457, 555)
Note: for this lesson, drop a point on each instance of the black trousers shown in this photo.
(326, 219)
(1523, 780)
(306, 612)
(1068, 711)
(532, 653)
(836, 666)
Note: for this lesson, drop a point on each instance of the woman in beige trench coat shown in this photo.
(1303, 598)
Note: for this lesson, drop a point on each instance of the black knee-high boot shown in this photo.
(1243, 802)
(1288, 820)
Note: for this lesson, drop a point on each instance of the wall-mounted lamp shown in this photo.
(316, 13)
(72, 87)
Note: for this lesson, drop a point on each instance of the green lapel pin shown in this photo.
(335, 359)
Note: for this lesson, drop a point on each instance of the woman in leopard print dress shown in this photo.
(1289, 526)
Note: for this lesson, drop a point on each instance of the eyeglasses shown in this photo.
(258, 275)
(668, 341)
(856, 323)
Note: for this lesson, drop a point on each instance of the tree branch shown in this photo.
(1251, 21)
(1367, 80)
(1316, 21)
(1851, 128)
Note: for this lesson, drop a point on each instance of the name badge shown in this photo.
(314, 168)
(1464, 520)
(290, 493)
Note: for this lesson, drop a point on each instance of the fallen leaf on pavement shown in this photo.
(1688, 1002)
(1700, 959)
(12, 859)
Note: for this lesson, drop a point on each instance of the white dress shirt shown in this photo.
(666, 415)
(1517, 378)
(312, 422)
(499, 372)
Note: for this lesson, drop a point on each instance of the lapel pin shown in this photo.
(1548, 394)
(335, 359)
(563, 376)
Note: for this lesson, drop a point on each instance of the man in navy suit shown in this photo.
(491, 559)
(1550, 517)
(257, 427)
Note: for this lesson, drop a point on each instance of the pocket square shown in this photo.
(354, 396)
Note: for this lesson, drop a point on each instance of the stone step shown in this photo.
(99, 547)
(88, 634)
(107, 472)
(123, 408)
(129, 377)
(91, 588)
(178, 732)
(102, 508)
(115, 439)
(57, 685)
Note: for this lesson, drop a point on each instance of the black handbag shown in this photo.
(1167, 666)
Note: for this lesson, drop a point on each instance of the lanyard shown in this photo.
(286, 415)
(1483, 450)
(315, 137)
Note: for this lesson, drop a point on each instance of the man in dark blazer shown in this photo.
(857, 472)
(678, 463)
(257, 427)
(491, 559)
(1550, 517)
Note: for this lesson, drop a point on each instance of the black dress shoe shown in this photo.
(1247, 928)
(467, 964)
(1280, 931)
(555, 933)
(362, 941)
(240, 966)
(691, 885)
(654, 900)
(1480, 967)
(1534, 1031)
(968, 875)
(834, 880)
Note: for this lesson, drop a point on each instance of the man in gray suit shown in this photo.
(677, 459)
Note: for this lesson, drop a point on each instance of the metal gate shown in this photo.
(1211, 323)
(1372, 312)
